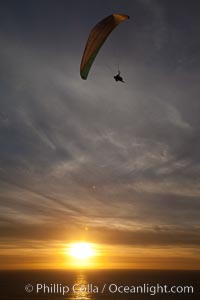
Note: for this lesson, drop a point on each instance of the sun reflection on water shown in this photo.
(80, 289)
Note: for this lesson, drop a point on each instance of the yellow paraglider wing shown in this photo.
(96, 39)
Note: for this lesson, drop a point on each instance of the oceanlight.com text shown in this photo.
(111, 288)
(150, 289)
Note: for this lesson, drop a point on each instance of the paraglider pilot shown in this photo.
(118, 77)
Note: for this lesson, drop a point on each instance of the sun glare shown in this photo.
(81, 250)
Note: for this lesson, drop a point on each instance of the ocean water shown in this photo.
(97, 285)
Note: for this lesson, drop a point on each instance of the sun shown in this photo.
(81, 250)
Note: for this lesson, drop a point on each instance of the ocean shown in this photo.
(99, 284)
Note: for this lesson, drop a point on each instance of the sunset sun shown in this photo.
(81, 250)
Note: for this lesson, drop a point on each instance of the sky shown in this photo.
(114, 164)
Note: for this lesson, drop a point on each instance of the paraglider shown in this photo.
(118, 77)
(96, 38)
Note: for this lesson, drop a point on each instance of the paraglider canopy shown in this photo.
(96, 38)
